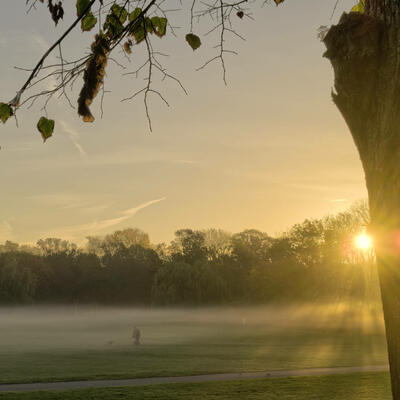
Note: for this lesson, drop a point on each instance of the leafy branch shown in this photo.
(123, 24)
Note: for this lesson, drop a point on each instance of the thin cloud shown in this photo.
(74, 136)
(190, 162)
(78, 204)
(125, 215)
(132, 211)
(96, 226)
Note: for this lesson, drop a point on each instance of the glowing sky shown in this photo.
(265, 152)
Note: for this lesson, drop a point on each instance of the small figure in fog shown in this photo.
(136, 336)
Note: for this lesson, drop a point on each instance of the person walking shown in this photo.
(136, 336)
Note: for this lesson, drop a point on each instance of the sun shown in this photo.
(363, 241)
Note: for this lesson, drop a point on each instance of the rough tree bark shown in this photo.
(364, 50)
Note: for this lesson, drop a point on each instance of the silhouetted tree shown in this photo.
(189, 246)
(130, 274)
(50, 246)
(364, 49)
(315, 260)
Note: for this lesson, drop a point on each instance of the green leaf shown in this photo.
(193, 40)
(134, 14)
(113, 25)
(5, 112)
(359, 8)
(139, 33)
(159, 26)
(81, 6)
(119, 12)
(88, 22)
(138, 29)
(149, 25)
(46, 127)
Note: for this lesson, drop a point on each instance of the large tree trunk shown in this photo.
(364, 50)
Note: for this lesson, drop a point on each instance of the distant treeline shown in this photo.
(314, 260)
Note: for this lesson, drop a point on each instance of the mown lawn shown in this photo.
(367, 386)
(279, 351)
(54, 345)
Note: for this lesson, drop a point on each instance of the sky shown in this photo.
(265, 152)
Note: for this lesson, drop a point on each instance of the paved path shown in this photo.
(28, 387)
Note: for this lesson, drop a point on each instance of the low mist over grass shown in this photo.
(57, 343)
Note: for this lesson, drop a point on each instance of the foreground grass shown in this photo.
(58, 344)
(369, 386)
(310, 349)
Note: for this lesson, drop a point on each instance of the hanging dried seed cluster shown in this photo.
(93, 76)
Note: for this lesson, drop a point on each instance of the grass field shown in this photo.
(341, 387)
(49, 344)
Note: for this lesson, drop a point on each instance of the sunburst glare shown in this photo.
(363, 241)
